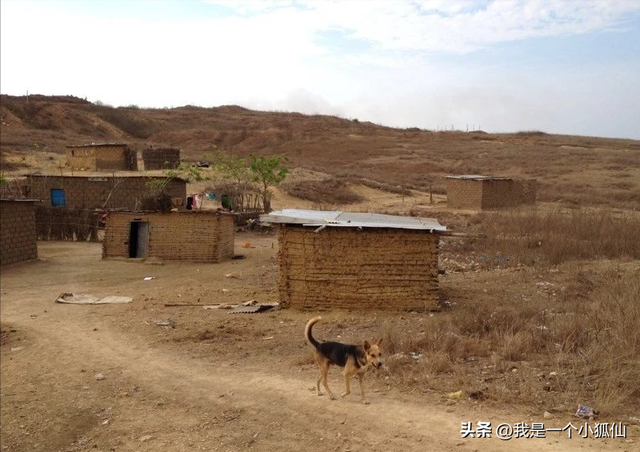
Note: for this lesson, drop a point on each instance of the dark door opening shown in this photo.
(139, 239)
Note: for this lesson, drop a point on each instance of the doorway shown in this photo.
(138, 239)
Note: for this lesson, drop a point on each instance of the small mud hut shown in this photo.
(489, 192)
(202, 236)
(332, 259)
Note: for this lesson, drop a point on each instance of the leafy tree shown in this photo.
(230, 166)
(268, 171)
(189, 173)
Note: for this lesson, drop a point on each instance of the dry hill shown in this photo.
(585, 170)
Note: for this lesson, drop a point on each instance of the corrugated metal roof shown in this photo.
(477, 177)
(335, 218)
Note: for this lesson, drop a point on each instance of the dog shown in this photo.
(355, 359)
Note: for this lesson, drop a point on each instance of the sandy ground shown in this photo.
(216, 381)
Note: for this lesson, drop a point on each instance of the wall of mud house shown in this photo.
(490, 194)
(17, 231)
(195, 236)
(464, 194)
(158, 159)
(114, 157)
(102, 192)
(349, 268)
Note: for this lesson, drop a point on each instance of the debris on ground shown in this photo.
(247, 245)
(149, 278)
(100, 377)
(248, 307)
(168, 322)
(585, 411)
(70, 298)
(455, 395)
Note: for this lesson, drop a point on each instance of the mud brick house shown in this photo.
(202, 236)
(102, 156)
(158, 159)
(331, 259)
(98, 192)
(489, 192)
(18, 231)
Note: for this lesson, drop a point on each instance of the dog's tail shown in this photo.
(307, 331)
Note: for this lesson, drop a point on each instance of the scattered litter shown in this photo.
(247, 245)
(585, 411)
(252, 306)
(167, 322)
(268, 338)
(100, 377)
(149, 278)
(230, 275)
(145, 438)
(105, 422)
(16, 349)
(415, 355)
(477, 395)
(225, 290)
(70, 298)
(455, 395)
(238, 256)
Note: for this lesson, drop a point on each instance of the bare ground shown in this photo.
(217, 381)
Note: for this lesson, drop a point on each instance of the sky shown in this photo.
(557, 66)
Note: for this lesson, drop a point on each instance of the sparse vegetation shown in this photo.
(327, 191)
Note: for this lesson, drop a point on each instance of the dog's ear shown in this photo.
(366, 345)
(379, 343)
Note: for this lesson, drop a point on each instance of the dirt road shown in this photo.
(106, 378)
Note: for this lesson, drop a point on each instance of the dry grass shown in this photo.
(327, 191)
(550, 237)
(592, 344)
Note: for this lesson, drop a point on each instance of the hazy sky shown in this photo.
(558, 66)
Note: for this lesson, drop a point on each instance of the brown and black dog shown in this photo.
(356, 359)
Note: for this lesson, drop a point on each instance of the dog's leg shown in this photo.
(318, 391)
(360, 378)
(324, 369)
(347, 373)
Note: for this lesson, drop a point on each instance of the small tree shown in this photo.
(156, 186)
(268, 172)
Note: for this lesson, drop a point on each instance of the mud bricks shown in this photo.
(110, 156)
(488, 193)
(92, 192)
(195, 236)
(18, 231)
(349, 268)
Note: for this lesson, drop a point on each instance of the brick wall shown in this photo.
(490, 194)
(389, 269)
(464, 194)
(197, 236)
(110, 157)
(92, 192)
(497, 194)
(156, 159)
(18, 232)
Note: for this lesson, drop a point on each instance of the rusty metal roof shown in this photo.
(336, 218)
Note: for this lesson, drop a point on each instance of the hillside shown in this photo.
(583, 170)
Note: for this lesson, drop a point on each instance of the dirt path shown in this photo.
(158, 397)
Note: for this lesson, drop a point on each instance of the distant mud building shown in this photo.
(101, 192)
(103, 156)
(356, 260)
(489, 192)
(18, 241)
(203, 236)
(159, 159)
